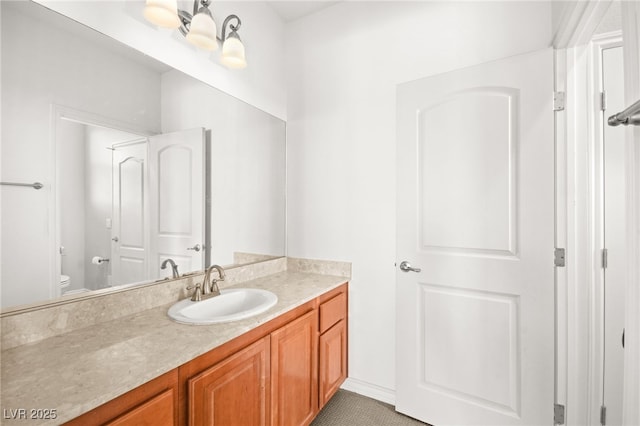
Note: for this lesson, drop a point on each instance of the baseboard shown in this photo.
(370, 390)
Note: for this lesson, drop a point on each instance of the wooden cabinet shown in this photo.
(332, 346)
(333, 361)
(294, 372)
(234, 391)
(154, 403)
(306, 361)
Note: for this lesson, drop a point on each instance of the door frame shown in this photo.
(631, 34)
(597, 45)
(578, 366)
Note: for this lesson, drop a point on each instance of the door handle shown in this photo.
(194, 248)
(406, 267)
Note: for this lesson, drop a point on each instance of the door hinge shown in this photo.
(558, 414)
(605, 258)
(558, 101)
(603, 415)
(559, 257)
(603, 101)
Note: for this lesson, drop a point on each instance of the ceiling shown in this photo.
(295, 9)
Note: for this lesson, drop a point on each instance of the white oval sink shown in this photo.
(232, 305)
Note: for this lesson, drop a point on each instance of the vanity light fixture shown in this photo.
(199, 28)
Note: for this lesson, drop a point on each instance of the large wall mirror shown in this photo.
(145, 171)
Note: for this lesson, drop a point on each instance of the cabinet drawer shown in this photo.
(332, 311)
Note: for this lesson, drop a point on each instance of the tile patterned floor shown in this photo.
(351, 409)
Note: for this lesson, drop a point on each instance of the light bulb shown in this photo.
(202, 31)
(233, 52)
(163, 13)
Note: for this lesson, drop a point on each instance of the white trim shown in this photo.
(579, 384)
(578, 22)
(370, 390)
(596, 290)
(631, 34)
(573, 223)
(561, 234)
(576, 315)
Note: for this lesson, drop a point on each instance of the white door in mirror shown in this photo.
(129, 236)
(231, 305)
(176, 200)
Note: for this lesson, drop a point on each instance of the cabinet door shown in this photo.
(333, 360)
(154, 404)
(233, 392)
(294, 372)
(158, 411)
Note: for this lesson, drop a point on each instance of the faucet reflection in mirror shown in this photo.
(199, 28)
(174, 267)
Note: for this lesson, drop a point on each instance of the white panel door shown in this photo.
(129, 232)
(475, 327)
(177, 166)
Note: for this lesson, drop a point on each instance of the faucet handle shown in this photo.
(197, 293)
(214, 286)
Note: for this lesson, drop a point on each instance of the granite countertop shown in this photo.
(75, 372)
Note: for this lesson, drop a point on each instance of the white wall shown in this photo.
(261, 84)
(343, 67)
(247, 166)
(43, 65)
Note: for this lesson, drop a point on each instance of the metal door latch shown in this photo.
(406, 267)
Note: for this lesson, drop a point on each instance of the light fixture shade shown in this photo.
(233, 52)
(163, 13)
(202, 31)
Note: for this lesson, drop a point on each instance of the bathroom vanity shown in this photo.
(276, 368)
(282, 372)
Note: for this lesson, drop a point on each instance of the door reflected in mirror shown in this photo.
(88, 204)
(127, 203)
(128, 237)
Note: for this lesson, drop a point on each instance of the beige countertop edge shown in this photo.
(76, 372)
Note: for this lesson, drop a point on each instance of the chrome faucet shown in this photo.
(174, 267)
(210, 289)
(209, 286)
